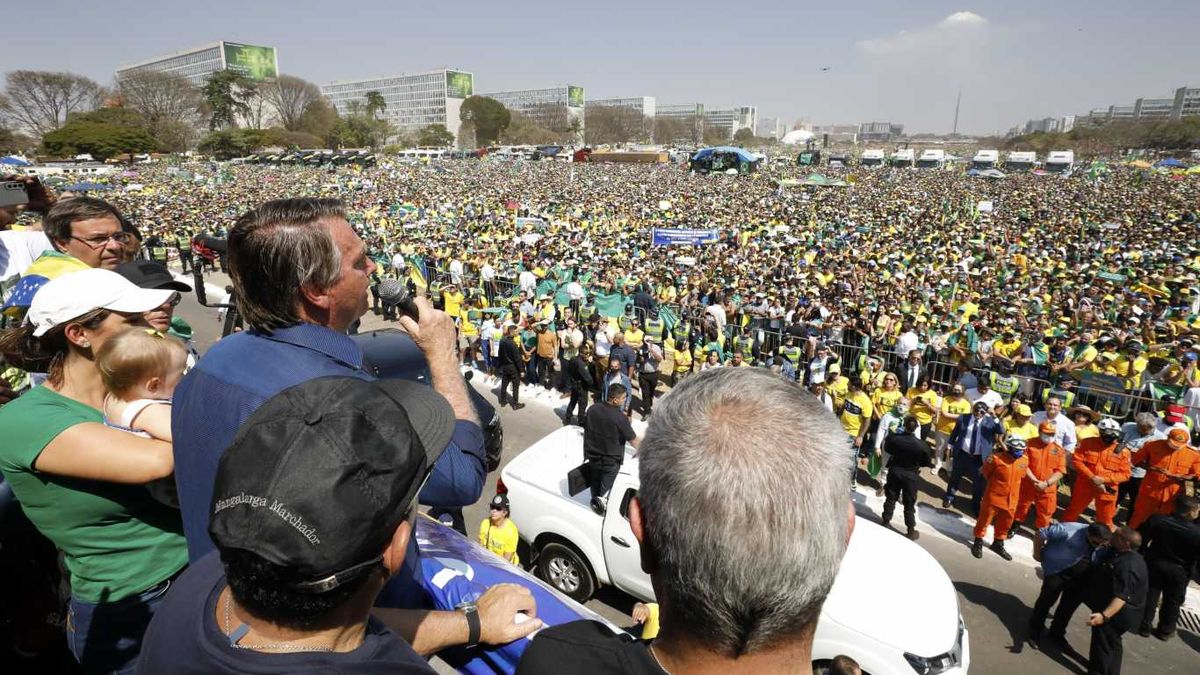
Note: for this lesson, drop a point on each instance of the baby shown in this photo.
(140, 369)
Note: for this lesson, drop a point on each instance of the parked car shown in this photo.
(390, 353)
(890, 629)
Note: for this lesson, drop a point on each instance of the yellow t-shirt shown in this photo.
(500, 540)
(1086, 431)
(650, 626)
(885, 400)
(1027, 431)
(683, 360)
(452, 302)
(960, 406)
(635, 338)
(467, 327)
(1007, 349)
(924, 414)
(856, 411)
(837, 388)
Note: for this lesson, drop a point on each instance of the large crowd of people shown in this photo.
(1027, 335)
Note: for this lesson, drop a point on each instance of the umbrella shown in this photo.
(1171, 163)
(13, 160)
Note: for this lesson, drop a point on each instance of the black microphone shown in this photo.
(395, 293)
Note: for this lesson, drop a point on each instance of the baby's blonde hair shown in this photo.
(132, 357)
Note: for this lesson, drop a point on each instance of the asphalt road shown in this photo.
(995, 596)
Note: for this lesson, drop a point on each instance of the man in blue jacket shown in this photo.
(972, 440)
(300, 279)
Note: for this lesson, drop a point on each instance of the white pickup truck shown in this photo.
(889, 628)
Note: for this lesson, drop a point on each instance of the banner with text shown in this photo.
(661, 236)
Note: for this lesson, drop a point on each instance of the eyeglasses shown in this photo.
(101, 240)
(176, 298)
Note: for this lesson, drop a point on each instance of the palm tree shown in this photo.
(375, 103)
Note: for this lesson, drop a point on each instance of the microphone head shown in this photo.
(393, 291)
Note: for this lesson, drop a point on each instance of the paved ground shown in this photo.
(995, 596)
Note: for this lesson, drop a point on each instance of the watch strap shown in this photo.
(473, 628)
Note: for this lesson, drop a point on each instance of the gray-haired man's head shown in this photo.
(742, 513)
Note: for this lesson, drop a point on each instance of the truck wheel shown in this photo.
(566, 571)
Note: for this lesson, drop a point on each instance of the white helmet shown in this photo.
(1109, 427)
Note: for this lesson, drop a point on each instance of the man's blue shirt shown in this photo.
(1066, 544)
(239, 373)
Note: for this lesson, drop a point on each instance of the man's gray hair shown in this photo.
(1146, 419)
(743, 483)
(276, 249)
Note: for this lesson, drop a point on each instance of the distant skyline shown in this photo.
(872, 60)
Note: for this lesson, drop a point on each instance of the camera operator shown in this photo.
(300, 277)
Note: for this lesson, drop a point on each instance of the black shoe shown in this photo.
(1035, 635)
(1059, 642)
(977, 548)
(518, 406)
(1164, 636)
(1144, 631)
(998, 547)
(947, 501)
(599, 505)
(912, 534)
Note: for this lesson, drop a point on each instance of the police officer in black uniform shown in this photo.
(908, 454)
(1171, 546)
(1118, 600)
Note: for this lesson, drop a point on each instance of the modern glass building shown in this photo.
(731, 120)
(412, 101)
(196, 64)
(642, 104)
(555, 108)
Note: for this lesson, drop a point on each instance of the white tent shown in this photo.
(797, 137)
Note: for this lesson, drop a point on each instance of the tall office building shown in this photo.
(879, 131)
(731, 120)
(770, 127)
(412, 101)
(196, 64)
(555, 108)
(645, 105)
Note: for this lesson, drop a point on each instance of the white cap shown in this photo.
(76, 293)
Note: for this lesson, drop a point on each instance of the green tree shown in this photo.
(715, 136)
(375, 104)
(436, 135)
(319, 118)
(103, 133)
(227, 95)
(230, 143)
(38, 101)
(487, 116)
(523, 130)
(744, 137)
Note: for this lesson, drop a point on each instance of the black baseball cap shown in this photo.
(150, 274)
(500, 502)
(319, 477)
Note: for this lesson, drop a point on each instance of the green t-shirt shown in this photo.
(117, 539)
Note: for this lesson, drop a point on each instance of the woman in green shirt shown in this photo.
(80, 482)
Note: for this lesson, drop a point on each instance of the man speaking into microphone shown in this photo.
(300, 278)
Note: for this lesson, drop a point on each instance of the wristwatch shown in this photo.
(470, 611)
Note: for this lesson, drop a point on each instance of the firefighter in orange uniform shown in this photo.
(1047, 466)
(1004, 472)
(1100, 470)
(1169, 462)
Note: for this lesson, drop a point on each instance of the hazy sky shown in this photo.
(889, 60)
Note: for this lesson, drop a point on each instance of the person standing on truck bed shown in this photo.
(604, 438)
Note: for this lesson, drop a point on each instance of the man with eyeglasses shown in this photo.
(91, 230)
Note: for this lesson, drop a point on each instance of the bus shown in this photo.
(903, 159)
(1018, 160)
(874, 157)
(1060, 161)
(985, 159)
(932, 159)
